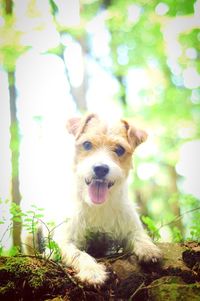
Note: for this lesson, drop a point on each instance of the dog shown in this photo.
(102, 162)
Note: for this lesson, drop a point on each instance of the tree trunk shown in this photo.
(14, 147)
(78, 93)
(8, 6)
(175, 207)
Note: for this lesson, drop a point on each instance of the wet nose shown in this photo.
(101, 170)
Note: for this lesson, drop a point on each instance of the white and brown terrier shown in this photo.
(103, 159)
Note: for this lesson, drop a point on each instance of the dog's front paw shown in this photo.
(148, 252)
(93, 274)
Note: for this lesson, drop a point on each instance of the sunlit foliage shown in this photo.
(150, 49)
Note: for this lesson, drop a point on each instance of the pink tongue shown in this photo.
(98, 191)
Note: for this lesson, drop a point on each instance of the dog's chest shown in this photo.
(102, 219)
(102, 234)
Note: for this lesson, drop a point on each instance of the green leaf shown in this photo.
(39, 215)
(17, 219)
(28, 219)
(30, 212)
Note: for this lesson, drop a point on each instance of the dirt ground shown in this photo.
(176, 278)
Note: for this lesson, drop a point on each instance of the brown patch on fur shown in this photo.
(134, 136)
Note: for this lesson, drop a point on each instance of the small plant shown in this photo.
(31, 219)
(151, 226)
(41, 243)
(32, 222)
(54, 250)
(16, 213)
(177, 236)
(5, 224)
(190, 216)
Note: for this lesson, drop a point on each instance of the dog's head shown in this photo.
(103, 154)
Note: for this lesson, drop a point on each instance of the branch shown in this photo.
(178, 217)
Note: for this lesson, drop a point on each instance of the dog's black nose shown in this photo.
(101, 170)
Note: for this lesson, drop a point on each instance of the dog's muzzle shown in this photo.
(98, 186)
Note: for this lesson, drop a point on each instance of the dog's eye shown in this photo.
(119, 150)
(87, 145)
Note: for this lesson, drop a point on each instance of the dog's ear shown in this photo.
(135, 136)
(76, 125)
(73, 125)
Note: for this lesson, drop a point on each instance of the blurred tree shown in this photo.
(10, 49)
(14, 147)
(158, 39)
(78, 93)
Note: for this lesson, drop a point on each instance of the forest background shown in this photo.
(132, 59)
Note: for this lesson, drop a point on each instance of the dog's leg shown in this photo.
(144, 248)
(88, 270)
(142, 244)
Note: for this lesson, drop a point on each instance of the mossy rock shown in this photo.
(173, 288)
(30, 279)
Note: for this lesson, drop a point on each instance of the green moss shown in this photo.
(17, 265)
(4, 289)
(173, 288)
(38, 277)
(21, 267)
(29, 278)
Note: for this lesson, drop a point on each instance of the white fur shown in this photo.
(116, 216)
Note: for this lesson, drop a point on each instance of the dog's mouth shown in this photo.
(98, 189)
